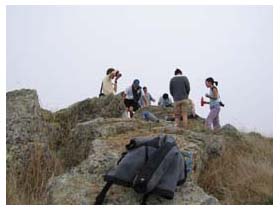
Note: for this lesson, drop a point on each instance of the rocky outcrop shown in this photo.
(91, 108)
(23, 121)
(26, 128)
(106, 139)
(89, 137)
(81, 136)
(230, 130)
(85, 181)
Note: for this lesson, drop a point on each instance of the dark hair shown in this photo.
(144, 87)
(212, 81)
(178, 71)
(122, 93)
(110, 70)
(165, 96)
(136, 82)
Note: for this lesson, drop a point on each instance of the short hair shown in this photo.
(144, 87)
(109, 71)
(136, 82)
(165, 96)
(178, 71)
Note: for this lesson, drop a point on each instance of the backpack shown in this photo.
(152, 165)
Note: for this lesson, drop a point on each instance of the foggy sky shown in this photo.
(63, 52)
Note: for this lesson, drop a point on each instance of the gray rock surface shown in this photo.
(26, 128)
(85, 181)
(89, 137)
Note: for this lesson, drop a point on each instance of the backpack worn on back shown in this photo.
(150, 165)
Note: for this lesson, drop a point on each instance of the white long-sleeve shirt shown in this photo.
(108, 85)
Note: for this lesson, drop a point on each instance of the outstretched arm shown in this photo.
(152, 99)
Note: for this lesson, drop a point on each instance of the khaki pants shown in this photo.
(180, 108)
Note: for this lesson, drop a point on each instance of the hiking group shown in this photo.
(155, 165)
(135, 97)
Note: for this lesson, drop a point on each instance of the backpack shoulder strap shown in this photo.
(142, 180)
(101, 196)
(101, 88)
(145, 198)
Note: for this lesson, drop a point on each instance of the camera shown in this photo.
(118, 75)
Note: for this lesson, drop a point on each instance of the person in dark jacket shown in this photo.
(179, 87)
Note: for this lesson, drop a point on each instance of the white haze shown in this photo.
(63, 52)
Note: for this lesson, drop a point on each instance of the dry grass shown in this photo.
(28, 185)
(243, 175)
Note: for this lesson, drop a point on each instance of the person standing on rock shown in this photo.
(215, 105)
(179, 87)
(108, 87)
(133, 94)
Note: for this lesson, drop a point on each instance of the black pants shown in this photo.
(130, 102)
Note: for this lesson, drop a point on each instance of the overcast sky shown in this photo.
(63, 52)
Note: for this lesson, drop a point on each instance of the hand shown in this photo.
(207, 95)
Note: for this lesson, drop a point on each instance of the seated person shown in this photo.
(165, 101)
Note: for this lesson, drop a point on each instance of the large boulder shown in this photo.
(107, 107)
(29, 160)
(23, 117)
(85, 181)
(25, 126)
(81, 136)
(230, 130)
